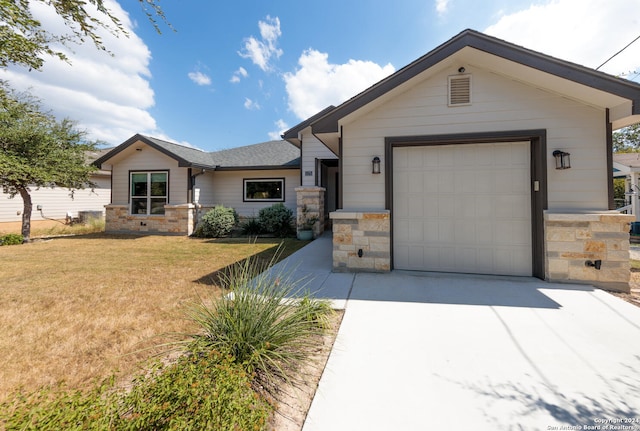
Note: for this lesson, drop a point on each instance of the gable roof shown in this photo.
(509, 59)
(266, 155)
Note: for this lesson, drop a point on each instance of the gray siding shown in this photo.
(226, 188)
(498, 104)
(56, 202)
(313, 149)
(148, 159)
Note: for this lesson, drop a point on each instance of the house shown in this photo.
(465, 140)
(162, 187)
(627, 166)
(480, 157)
(57, 202)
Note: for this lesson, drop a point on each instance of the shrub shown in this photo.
(260, 324)
(217, 222)
(251, 227)
(276, 219)
(11, 239)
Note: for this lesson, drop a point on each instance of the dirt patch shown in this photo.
(294, 400)
(632, 297)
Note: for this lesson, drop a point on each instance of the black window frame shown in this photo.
(148, 196)
(264, 180)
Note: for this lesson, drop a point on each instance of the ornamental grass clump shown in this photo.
(267, 323)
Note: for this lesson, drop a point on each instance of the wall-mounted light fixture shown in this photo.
(461, 69)
(375, 165)
(562, 159)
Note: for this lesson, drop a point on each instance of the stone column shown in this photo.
(310, 198)
(573, 239)
(361, 241)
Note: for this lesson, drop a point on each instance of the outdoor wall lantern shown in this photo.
(562, 159)
(376, 165)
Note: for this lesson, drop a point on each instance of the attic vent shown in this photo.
(459, 90)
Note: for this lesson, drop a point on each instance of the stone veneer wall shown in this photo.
(369, 231)
(177, 220)
(572, 239)
(313, 199)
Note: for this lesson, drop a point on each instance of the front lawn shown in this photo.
(77, 309)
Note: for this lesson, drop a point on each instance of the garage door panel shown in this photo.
(477, 219)
(416, 255)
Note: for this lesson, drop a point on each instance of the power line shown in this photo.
(610, 58)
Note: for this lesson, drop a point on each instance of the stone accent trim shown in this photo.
(369, 231)
(572, 239)
(311, 198)
(177, 220)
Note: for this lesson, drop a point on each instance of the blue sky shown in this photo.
(241, 72)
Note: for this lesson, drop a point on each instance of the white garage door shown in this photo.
(463, 208)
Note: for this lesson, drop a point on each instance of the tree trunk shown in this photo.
(26, 213)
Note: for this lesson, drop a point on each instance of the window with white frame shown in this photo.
(149, 192)
(264, 189)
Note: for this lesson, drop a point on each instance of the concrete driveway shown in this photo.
(446, 352)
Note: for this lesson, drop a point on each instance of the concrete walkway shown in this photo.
(419, 351)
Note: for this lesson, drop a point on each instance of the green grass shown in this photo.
(635, 264)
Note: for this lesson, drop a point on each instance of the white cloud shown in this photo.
(200, 78)
(317, 83)
(262, 51)
(442, 6)
(277, 134)
(250, 104)
(239, 75)
(109, 96)
(586, 32)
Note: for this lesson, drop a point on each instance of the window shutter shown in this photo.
(459, 90)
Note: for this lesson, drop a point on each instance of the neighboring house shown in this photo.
(164, 187)
(57, 202)
(627, 166)
(446, 165)
(468, 183)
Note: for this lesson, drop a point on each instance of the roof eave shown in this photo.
(141, 138)
(329, 123)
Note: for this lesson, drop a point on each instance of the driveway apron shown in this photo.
(420, 351)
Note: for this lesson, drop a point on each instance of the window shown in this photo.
(271, 189)
(149, 192)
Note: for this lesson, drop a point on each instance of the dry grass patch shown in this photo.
(77, 309)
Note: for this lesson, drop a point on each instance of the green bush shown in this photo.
(202, 390)
(11, 239)
(276, 219)
(251, 227)
(260, 323)
(217, 222)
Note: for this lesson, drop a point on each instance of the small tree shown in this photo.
(25, 42)
(36, 150)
